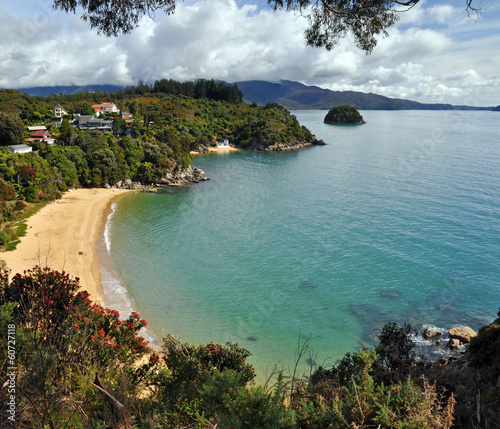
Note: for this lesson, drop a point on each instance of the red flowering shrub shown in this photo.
(50, 303)
(66, 339)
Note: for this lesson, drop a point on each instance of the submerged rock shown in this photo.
(307, 286)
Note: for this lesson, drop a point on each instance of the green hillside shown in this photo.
(294, 95)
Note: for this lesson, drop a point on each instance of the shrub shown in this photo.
(66, 339)
(4, 238)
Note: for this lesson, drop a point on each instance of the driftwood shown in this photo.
(116, 406)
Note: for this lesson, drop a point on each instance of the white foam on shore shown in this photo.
(115, 293)
(107, 228)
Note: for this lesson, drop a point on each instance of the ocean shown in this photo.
(395, 220)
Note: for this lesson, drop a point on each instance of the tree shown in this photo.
(11, 130)
(118, 16)
(330, 20)
(65, 132)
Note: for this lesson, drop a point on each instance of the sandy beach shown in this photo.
(218, 149)
(64, 235)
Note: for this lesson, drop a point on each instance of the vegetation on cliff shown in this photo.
(344, 115)
(77, 364)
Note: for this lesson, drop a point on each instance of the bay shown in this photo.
(394, 220)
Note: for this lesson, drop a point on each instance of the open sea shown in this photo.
(394, 220)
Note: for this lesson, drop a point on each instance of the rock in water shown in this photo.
(307, 286)
(429, 333)
(462, 333)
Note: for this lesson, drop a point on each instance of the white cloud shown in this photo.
(433, 55)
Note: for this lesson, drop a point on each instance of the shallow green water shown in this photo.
(397, 219)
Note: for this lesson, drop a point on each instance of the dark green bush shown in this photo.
(4, 238)
(344, 115)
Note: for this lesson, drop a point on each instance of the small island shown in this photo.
(344, 115)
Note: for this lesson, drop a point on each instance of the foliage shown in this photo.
(66, 339)
(365, 20)
(349, 396)
(115, 17)
(4, 238)
(7, 191)
(344, 115)
(11, 129)
(396, 359)
(329, 20)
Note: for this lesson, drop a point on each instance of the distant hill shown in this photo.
(294, 95)
(44, 91)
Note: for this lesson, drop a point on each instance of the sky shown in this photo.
(435, 53)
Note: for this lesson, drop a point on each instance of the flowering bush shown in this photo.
(66, 339)
(51, 304)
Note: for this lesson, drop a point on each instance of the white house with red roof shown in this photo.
(41, 135)
(105, 108)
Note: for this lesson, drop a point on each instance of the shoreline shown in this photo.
(212, 149)
(65, 235)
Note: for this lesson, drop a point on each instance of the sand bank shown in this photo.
(64, 235)
(218, 149)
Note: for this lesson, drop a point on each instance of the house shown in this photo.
(40, 135)
(20, 148)
(224, 143)
(59, 111)
(105, 108)
(88, 122)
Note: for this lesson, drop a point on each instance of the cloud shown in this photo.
(433, 55)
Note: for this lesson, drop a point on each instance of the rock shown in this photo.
(453, 343)
(183, 177)
(462, 333)
(429, 333)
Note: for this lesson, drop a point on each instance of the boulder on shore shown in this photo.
(429, 333)
(462, 333)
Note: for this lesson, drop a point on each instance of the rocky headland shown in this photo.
(181, 178)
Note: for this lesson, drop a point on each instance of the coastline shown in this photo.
(64, 235)
(217, 149)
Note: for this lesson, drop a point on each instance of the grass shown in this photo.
(17, 228)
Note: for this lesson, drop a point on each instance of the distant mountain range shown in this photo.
(292, 95)
(44, 91)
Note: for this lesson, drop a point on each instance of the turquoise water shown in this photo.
(395, 220)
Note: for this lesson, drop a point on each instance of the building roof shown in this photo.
(18, 147)
(39, 133)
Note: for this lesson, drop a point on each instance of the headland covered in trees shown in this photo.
(64, 338)
(92, 139)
